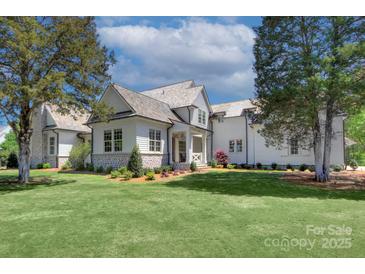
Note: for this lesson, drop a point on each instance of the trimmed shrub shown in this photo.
(66, 165)
(157, 170)
(274, 166)
(193, 167)
(114, 174)
(150, 176)
(135, 163)
(90, 167)
(353, 164)
(40, 165)
(122, 170)
(127, 175)
(289, 166)
(213, 163)
(47, 165)
(146, 170)
(99, 169)
(78, 154)
(337, 168)
(109, 169)
(259, 165)
(176, 172)
(303, 167)
(166, 168)
(12, 161)
(221, 157)
(230, 166)
(164, 174)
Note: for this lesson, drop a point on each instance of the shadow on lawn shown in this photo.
(8, 183)
(258, 184)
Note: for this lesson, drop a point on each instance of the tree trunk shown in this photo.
(327, 142)
(24, 162)
(318, 154)
(24, 135)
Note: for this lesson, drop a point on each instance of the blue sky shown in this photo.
(154, 51)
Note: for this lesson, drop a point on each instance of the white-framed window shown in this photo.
(294, 147)
(231, 146)
(201, 116)
(220, 119)
(239, 145)
(107, 140)
(155, 140)
(118, 139)
(52, 145)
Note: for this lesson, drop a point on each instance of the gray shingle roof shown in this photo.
(146, 106)
(67, 121)
(232, 109)
(176, 95)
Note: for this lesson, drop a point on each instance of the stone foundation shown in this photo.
(117, 160)
(154, 160)
(181, 166)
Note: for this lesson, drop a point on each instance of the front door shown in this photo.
(182, 151)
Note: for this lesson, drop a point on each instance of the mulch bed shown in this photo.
(344, 180)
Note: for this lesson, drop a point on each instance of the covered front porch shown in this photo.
(188, 145)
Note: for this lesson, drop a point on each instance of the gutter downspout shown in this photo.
(58, 144)
(168, 143)
(92, 144)
(246, 138)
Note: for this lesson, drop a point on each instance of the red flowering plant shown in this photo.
(221, 157)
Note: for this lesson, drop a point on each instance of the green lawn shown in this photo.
(217, 214)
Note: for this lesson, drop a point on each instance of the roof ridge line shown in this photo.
(167, 85)
(231, 102)
(140, 93)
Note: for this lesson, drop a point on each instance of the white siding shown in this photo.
(129, 134)
(49, 120)
(231, 129)
(234, 128)
(183, 113)
(112, 99)
(67, 139)
(142, 132)
(201, 104)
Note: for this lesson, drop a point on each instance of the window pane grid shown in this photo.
(155, 140)
(107, 141)
(239, 145)
(118, 140)
(231, 146)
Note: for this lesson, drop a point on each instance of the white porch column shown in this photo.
(189, 146)
(204, 148)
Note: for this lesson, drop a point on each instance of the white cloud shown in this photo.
(216, 55)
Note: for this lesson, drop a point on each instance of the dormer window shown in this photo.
(201, 116)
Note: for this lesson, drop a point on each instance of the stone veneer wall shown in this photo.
(181, 166)
(114, 160)
(117, 160)
(154, 160)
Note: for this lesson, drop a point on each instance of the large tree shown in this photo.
(56, 60)
(300, 84)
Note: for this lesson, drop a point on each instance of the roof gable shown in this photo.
(146, 106)
(67, 121)
(233, 109)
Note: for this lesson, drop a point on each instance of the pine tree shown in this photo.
(135, 163)
(57, 60)
(308, 68)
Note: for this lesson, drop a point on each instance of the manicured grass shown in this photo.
(217, 214)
